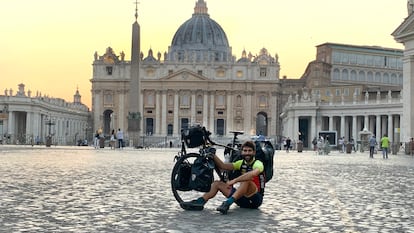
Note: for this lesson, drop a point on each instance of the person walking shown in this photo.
(112, 140)
(342, 144)
(96, 140)
(288, 144)
(385, 143)
(372, 144)
(120, 137)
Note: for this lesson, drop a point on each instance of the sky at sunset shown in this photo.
(49, 44)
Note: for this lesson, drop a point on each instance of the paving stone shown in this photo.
(80, 189)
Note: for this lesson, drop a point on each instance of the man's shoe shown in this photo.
(224, 207)
(192, 205)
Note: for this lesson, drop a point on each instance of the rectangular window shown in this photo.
(185, 101)
(109, 70)
(263, 72)
(337, 92)
(346, 92)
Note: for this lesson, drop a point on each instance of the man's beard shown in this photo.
(248, 158)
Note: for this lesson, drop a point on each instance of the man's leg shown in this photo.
(246, 188)
(198, 204)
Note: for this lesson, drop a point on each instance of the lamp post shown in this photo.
(49, 122)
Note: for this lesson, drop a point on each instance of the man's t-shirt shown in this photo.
(256, 164)
(384, 142)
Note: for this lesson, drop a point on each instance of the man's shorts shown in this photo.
(252, 202)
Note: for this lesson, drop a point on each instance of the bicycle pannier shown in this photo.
(194, 137)
(182, 179)
(201, 175)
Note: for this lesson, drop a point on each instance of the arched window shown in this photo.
(336, 74)
(353, 75)
(386, 78)
(361, 76)
(370, 77)
(378, 77)
(345, 75)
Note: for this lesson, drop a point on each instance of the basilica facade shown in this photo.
(198, 81)
(347, 89)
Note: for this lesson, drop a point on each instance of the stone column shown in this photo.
(176, 127)
(205, 108)
(313, 131)
(163, 106)
(193, 108)
(157, 119)
(210, 125)
(121, 111)
(342, 127)
(272, 128)
(229, 113)
(366, 120)
(330, 127)
(390, 128)
(248, 113)
(295, 128)
(378, 131)
(354, 128)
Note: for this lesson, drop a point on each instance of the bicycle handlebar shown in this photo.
(208, 133)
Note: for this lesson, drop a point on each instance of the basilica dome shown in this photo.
(200, 39)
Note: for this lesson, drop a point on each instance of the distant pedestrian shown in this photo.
(372, 145)
(342, 144)
(385, 143)
(352, 141)
(315, 144)
(96, 140)
(120, 137)
(112, 141)
(288, 144)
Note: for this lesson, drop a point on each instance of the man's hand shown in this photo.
(231, 182)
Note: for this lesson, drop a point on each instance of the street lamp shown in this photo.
(49, 122)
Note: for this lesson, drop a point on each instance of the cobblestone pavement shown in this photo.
(77, 189)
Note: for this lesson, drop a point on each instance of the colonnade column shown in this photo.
(384, 126)
(121, 110)
(390, 128)
(10, 126)
(176, 126)
(354, 128)
(193, 108)
(210, 125)
(205, 108)
(378, 127)
(342, 126)
(229, 113)
(313, 130)
(157, 113)
(366, 118)
(248, 113)
(163, 124)
(295, 128)
(330, 127)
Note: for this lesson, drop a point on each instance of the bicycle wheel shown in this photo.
(180, 178)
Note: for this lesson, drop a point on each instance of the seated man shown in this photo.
(249, 194)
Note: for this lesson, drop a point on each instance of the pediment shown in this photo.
(184, 75)
(405, 30)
